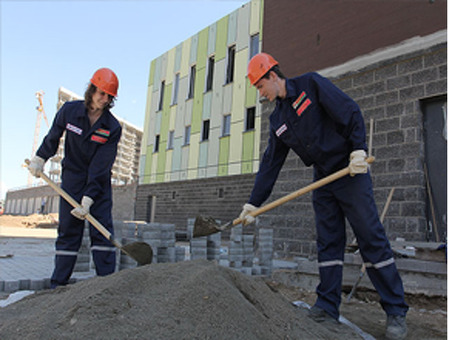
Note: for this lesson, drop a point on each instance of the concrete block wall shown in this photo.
(221, 198)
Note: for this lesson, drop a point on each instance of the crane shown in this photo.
(41, 114)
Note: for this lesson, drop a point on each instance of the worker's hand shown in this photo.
(244, 216)
(82, 211)
(36, 166)
(358, 163)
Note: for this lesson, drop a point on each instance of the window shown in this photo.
(191, 82)
(171, 138)
(187, 135)
(210, 74)
(161, 100)
(175, 89)
(230, 65)
(254, 45)
(250, 119)
(226, 125)
(205, 135)
(156, 143)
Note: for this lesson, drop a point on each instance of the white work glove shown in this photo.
(36, 166)
(357, 163)
(244, 216)
(82, 211)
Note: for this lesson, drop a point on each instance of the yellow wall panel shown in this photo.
(169, 76)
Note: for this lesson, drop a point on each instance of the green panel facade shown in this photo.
(211, 156)
(221, 41)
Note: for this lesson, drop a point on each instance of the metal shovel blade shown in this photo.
(139, 251)
(205, 226)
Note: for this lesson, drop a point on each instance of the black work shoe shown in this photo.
(396, 327)
(320, 315)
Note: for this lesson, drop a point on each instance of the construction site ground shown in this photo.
(170, 301)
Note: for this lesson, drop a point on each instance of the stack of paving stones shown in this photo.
(213, 245)
(199, 248)
(129, 234)
(166, 252)
(235, 248)
(161, 237)
(247, 253)
(265, 250)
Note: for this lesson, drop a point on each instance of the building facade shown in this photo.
(394, 68)
(202, 118)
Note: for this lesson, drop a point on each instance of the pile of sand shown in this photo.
(185, 300)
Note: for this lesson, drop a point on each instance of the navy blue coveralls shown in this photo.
(86, 171)
(322, 125)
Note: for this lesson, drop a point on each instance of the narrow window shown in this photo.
(230, 65)
(191, 82)
(226, 125)
(175, 90)
(156, 143)
(210, 74)
(250, 119)
(171, 137)
(187, 135)
(254, 45)
(161, 100)
(205, 135)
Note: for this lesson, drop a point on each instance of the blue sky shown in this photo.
(46, 45)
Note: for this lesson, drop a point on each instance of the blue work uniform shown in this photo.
(323, 125)
(89, 153)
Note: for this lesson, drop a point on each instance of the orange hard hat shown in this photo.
(259, 65)
(106, 80)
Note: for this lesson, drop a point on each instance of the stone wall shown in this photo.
(220, 197)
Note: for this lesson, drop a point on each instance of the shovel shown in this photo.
(205, 225)
(139, 251)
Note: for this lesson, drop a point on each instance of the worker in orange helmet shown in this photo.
(325, 128)
(92, 134)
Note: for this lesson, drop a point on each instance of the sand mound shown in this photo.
(185, 300)
(30, 221)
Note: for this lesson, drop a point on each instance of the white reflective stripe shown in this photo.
(330, 263)
(380, 264)
(66, 253)
(102, 248)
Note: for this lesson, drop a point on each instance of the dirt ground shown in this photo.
(31, 221)
(426, 319)
(199, 300)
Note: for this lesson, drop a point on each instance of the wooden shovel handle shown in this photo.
(75, 204)
(302, 191)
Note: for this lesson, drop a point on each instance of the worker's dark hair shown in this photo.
(91, 90)
(277, 71)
